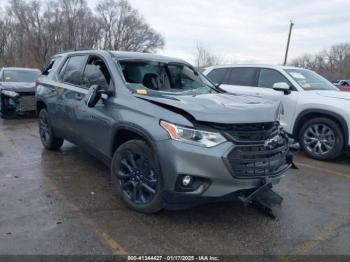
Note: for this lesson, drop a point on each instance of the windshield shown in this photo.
(309, 80)
(157, 78)
(20, 75)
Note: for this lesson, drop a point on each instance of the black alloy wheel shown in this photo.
(137, 177)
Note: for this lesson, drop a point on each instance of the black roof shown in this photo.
(127, 55)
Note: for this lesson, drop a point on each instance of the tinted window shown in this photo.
(51, 65)
(20, 75)
(96, 73)
(72, 72)
(268, 77)
(242, 76)
(218, 75)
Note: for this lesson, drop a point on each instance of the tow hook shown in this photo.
(262, 198)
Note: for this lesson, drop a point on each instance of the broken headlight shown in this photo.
(192, 136)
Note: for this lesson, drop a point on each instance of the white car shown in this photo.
(315, 113)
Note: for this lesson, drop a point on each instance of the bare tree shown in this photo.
(332, 64)
(203, 58)
(33, 30)
(123, 28)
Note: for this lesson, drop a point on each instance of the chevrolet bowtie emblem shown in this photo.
(272, 143)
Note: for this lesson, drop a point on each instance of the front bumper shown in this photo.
(209, 165)
(19, 104)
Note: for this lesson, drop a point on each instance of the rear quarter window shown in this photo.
(51, 65)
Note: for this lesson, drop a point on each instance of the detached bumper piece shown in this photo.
(263, 198)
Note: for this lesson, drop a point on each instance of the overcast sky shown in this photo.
(246, 31)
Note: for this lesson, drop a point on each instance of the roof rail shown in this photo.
(76, 49)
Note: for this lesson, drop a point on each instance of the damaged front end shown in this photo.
(15, 103)
(261, 151)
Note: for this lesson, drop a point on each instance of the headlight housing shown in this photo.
(192, 136)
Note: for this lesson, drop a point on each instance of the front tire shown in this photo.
(136, 176)
(321, 138)
(49, 140)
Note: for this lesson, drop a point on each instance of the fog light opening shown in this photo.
(186, 180)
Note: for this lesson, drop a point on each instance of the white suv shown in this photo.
(315, 112)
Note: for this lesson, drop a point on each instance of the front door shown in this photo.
(94, 124)
(267, 78)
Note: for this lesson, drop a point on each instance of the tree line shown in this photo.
(334, 64)
(32, 31)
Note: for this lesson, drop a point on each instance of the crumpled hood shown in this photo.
(18, 87)
(335, 94)
(221, 108)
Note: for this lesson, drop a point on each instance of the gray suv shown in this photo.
(171, 137)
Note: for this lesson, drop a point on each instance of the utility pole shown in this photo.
(287, 48)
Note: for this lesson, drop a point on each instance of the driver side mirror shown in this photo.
(94, 95)
(282, 86)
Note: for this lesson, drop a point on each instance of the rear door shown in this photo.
(218, 75)
(69, 94)
(267, 78)
(241, 80)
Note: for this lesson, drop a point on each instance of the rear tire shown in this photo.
(49, 140)
(136, 176)
(321, 138)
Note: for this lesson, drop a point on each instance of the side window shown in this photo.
(96, 73)
(218, 75)
(72, 71)
(242, 76)
(51, 65)
(268, 77)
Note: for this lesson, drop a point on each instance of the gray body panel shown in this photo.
(96, 128)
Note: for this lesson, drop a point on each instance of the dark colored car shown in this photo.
(17, 90)
(171, 138)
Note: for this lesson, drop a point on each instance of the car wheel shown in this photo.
(321, 138)
(49, 140)
(136, 176)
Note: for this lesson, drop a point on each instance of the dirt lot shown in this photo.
(63, 203)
